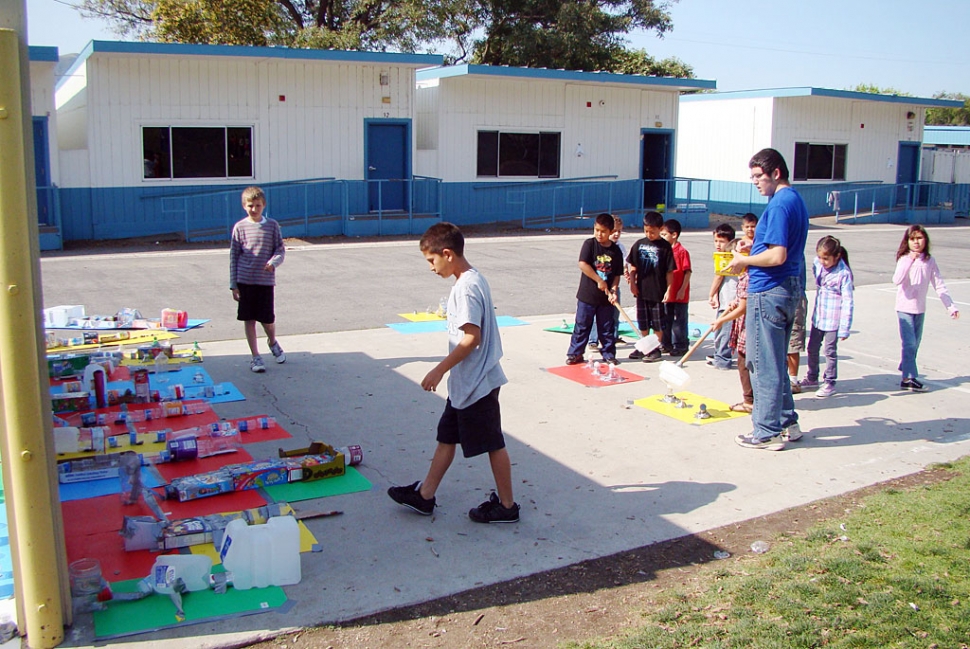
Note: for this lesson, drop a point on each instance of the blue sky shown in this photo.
(916, 47)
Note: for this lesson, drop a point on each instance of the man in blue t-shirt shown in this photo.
(776, 270)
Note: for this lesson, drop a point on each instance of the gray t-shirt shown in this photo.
(470, 302)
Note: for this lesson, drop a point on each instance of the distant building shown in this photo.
(484, 128)
(150, 133)
(946, 154)
(828, 138)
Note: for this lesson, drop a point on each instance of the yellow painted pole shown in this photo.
(26, 437)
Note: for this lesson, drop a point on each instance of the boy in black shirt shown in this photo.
(601, 263)
(652, 270)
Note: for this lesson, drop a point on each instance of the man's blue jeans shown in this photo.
(911, 333)
(769, 322)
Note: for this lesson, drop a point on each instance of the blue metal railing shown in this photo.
(308, 207)
(932, 202)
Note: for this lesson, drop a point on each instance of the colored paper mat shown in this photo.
(718, 410)
(6, 561)
(109, 549)
(441, 325)
(157, 611)
(567, 328)
(421, 317)
(352, 481)
(254, 433)
(581, 374)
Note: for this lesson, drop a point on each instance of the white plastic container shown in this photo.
(257, 556)
(193, 569)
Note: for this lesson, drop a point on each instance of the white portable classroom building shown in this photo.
(582, 141)
(828, 138)
(157, 137)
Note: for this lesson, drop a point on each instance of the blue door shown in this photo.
(656, 157)
(387, 164)
(42, 172)
(907, 172)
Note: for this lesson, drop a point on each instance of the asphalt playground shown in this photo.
(595, 472)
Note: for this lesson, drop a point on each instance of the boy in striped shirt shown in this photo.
(254, 255)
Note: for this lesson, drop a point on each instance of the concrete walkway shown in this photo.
(593, 476)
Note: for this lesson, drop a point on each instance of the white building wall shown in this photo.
(716, 139)
(871, 131)
(605, 121)
(308, 116)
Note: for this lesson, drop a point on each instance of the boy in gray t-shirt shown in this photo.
(472, 417)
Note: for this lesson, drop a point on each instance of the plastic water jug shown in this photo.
(192, 569)
(257, 556)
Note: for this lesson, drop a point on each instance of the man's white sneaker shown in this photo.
(791, 433)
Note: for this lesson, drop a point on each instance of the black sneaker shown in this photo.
(653, 356)
(492, 511)
(636, 355)
(912, 384)
(665, 350)
(410, 497)
(575, 359)
(612, 360)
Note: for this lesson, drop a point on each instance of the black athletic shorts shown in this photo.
(478, 428)
(255, 303)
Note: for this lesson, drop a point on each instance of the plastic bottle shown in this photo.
(161, 367)
(353, 454)
(262, 555)
(192, 569)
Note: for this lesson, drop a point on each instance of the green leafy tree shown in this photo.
(876, 90)
(571, 34)
(949, 116)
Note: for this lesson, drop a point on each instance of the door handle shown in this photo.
(370, 168)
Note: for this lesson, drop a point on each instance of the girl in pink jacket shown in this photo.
(915, 271)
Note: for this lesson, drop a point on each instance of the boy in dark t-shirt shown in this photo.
(601, 264)
(652, 268)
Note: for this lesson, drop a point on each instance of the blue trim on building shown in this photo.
(563, 75)
(182, 49)
(823, 92)
(946, 135)
(42, 53)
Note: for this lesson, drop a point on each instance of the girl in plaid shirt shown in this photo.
(832, 317)
(736, 311)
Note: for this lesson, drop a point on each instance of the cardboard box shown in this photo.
(329, 464)
(201, 485)
(262, 473)
(60, 316)
(62, 366)
(71, 401)
(721, 261)
(185, 532)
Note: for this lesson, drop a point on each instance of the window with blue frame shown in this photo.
(819, 161)
(518, 155)
(197, 152)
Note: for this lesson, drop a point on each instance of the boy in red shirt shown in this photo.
(676, 309)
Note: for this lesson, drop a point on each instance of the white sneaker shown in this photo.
(791, 433)
(256, 365)
(827, 390)
(277, 352)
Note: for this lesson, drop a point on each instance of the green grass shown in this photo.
(897, 575)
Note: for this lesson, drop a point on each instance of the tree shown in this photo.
(570, 34)
(876, 90)
(949, 116)
(401, 25)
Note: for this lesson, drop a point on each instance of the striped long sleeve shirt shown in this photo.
(253, 246)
